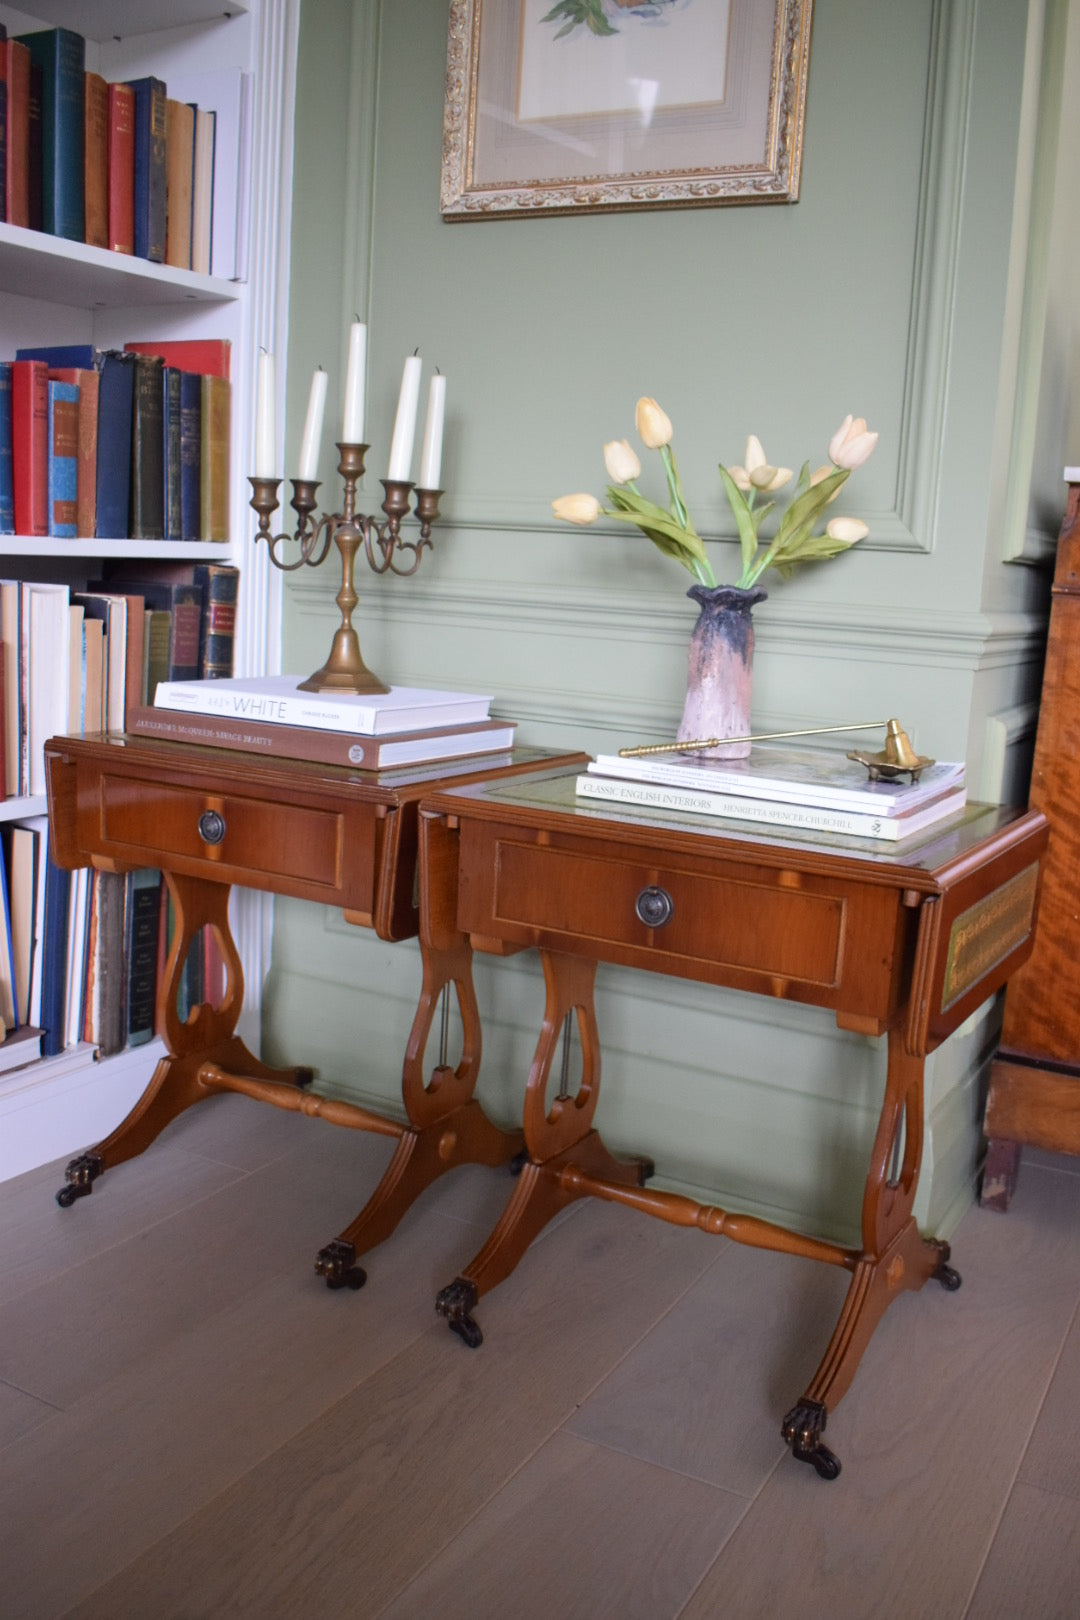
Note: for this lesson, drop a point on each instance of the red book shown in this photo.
(87, 382)
(121, 150)
(96, 160)
(30, 445)
(209, 357)
(18, 133)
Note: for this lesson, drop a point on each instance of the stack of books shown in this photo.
(116, 445)
(270, 715)
(802, 788)
(154, 170)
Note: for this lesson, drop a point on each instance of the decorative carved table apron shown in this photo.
(904, 944)
(210, 819)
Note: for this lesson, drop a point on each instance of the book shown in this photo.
(75, 958)
(103, 1019)
(792, 775)
(57, 355)
(769, 812)
(7, 470)
(3, 704)
(76, 704)
(146, 507)
(60, 56)
(143, 921)
(9, 642)
(202, 190)
(391, 752)
(116, 394)
(54, 953)
(171, 451)
(96, 161)
(39, 826)
(157, 630)
(278, 700)
(214, 457)
(30, 446)
(8, 1014)
(149, 175)
(220, 586)
(121, 158)
(110, 608)
(170, 588)
(179, 172)
(17, 129)
(226, 94)
(34, 150)
(190, 454)
(86, 380)
(63, 458)
(95, 681)
(3, 122)
(22, 845)
(46, 621)
(207, 357)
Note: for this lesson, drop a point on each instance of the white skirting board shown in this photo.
(62, 1105)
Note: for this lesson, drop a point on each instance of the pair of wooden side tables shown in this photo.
(900, 945)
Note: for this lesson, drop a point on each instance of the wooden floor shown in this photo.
(192, 1425)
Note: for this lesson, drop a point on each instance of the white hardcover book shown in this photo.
(793, 775)
(277, 700)
(799, 817)
(47, 674)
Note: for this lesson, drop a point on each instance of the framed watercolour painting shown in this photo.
(577, 106)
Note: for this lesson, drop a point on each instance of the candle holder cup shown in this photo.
(384, 547)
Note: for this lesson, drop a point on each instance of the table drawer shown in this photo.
(261, 838)
(776, 930)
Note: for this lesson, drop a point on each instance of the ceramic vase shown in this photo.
(720, 669)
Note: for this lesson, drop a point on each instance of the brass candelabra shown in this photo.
(383, 544)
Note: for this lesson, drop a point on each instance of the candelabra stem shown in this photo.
(345, 670)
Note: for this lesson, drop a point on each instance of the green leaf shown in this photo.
(805, 510)
(744, 521)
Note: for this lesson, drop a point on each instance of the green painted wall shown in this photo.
(889, 290)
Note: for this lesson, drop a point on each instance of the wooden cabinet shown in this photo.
(1034, 1093)
(57, 291)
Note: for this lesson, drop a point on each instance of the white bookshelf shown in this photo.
(56, 291)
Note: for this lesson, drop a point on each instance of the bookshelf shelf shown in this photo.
(79, 552)
(56, 271)
(32, 804)
(107, 19)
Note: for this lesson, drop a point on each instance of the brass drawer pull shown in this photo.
(211, 827)
(654, 907)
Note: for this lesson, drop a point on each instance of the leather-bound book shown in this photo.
(30, 445)
(60, 55)
(96, 161)
(18, 133)
(150, 162)
(121, 191)
(147, 502)
(179, 171)
(216, 406)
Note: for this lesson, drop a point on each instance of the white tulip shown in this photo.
(851, 444)
(576, 508)
(740, 478)
(653, 424)
(847, 530)
(754, 455)
(621, 462)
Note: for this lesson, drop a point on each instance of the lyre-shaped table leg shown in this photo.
(446, 1125)
(895, 1258)
(554, 1136)
(208, 1035)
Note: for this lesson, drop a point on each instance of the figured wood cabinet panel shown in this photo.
(1034, 1093)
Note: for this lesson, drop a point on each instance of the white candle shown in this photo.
(401, 446)
(431, 453)
(309, 444)
(265, 417)
(352, 431)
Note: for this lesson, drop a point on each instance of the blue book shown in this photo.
(150, 96)
(143, 922)
(63, 459)
(115, 397)
(7, 491)
(190, 455)
(54, 958)
(60, 54)
(62, 356)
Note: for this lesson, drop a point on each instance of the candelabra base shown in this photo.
(344, 670)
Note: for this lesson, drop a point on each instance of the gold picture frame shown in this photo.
(585, 106)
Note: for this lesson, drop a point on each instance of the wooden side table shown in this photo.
(1034, 1095)
(903, 944)
(210, 819)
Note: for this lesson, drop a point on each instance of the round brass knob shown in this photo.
(654, 907)
(211, 827)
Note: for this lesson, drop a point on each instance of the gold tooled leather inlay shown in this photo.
(984, 934)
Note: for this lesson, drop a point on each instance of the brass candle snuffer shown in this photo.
(897, 758)
(384, 546)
